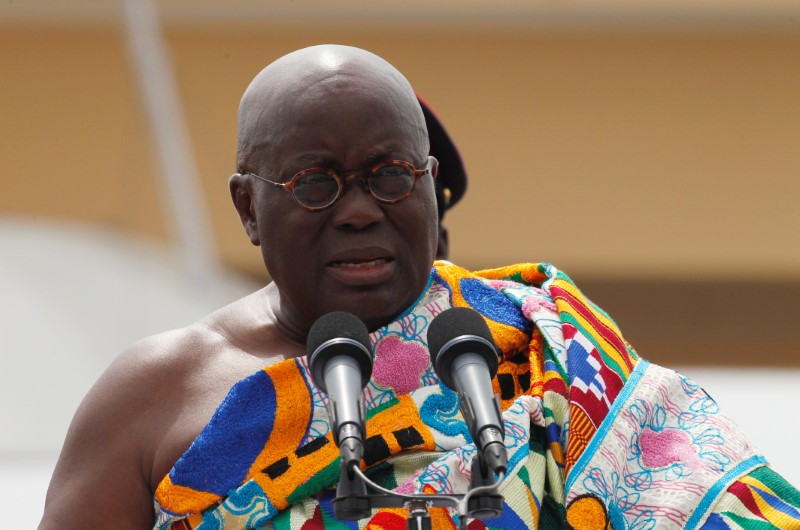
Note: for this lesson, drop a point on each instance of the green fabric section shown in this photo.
(331, 523)
(778, 484)
(553, 515)
(750, 524)
(561, 275)
(554, 415)
(548, 355)
(383, 475)
(524, 476)
(381, 408)
(516, 277)
(632, 352)
(326, 478)
(282, 521)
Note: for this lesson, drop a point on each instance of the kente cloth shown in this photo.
(597, 437)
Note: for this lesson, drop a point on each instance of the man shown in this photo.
(220, 423)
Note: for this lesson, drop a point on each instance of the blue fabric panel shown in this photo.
(493, 304)
(221, 456)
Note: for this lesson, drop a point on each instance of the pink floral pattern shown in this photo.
(399, 364)
(534, 304)
(661, 449)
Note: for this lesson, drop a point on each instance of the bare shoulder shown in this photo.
(147, 408)
(101, 474)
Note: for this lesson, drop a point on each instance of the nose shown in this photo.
(356, 208)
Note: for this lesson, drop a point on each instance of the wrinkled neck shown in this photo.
(286, 325)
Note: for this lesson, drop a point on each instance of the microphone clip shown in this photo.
(490, 439)
(349, 436)
(496, 432)
(482, 500)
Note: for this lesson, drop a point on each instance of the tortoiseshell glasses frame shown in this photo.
(387, 182)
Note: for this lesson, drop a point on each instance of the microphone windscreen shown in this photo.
(335, 325)
(459, 330)
(338, 333)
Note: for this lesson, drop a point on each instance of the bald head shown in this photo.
(336, 110)
(313, 77)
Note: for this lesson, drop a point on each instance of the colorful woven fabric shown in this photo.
(596, 437)
(762, 499)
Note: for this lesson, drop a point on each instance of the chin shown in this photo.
(373, 309)
(373, 318)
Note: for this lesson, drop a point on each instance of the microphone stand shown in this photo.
(482, 500)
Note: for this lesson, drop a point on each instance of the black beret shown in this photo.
(452, 180)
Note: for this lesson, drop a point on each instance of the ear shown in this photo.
(434, 166)
(242, 195)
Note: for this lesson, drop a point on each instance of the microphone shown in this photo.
(464, 356)
(340, 360)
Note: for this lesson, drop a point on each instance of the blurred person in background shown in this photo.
(451, 183)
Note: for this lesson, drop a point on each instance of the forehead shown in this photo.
(339, 120)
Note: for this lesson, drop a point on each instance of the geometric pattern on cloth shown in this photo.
(762, 499)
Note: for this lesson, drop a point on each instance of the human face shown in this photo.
(359, 255)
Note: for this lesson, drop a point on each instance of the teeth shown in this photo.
(360, 265)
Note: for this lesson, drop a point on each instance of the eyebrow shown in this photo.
(378, 156)
(371, 159)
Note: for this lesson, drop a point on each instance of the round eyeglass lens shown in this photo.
(316, 190)
(391, 182)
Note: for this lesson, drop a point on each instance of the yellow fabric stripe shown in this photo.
(292, 415)
(181, 499)
(774, 516)
(529, 272)
(622, 358)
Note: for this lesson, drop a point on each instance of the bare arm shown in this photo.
(102, 476)
(145, 411)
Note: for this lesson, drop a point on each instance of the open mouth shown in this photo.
(362, 271)
(359, 264)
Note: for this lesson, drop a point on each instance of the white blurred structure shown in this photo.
(73, 297)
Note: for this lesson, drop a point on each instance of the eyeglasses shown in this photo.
(318, 188)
